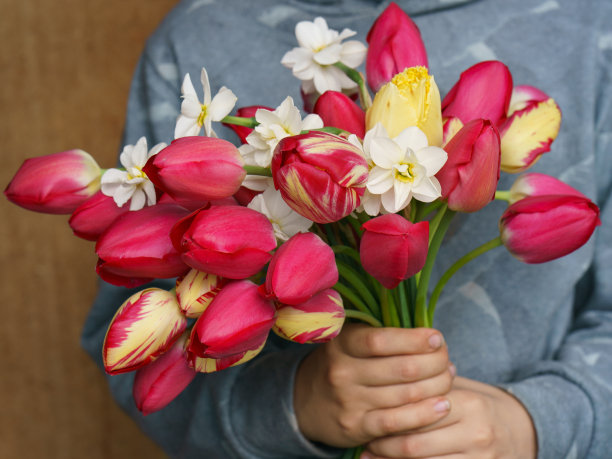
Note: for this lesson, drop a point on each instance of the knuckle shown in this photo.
(337, 376)
(387, 423)
(409, 446)
(484, 436)
(413, 393)
(374, 342)
(407, 370)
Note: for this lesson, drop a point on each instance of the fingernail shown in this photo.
(365, 456)
(435, 341)
(442, 406)
(453, 370)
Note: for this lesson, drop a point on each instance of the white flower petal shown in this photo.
(138, 156)
(186, 127)
(205, 86)
(388, 201)
(187, 88)
(385, 152)
(325, 80)
(432, 159)
(428, 190)
(113, 177)
(191, 107)
(157, 148)
(411, 137)
(257, 182)
(380, 180)
(138, 199)
(222, 104)
(353, 53)
(123, 193)
(149, 191)
(403, 193)
(328, 55)
(371, 203)
(312, 121)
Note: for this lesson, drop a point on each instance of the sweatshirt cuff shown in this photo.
(262, 398)
(561, 412)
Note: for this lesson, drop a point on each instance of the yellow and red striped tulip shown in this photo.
(230, 241)
(144, 327)
(210, 365)
(533, 122)
(56, 183)
(395, 43)
(137, 248)
(320, 175)
(196, 290)
(161, 381)
(317, 320)
(302, 267)
(238, 320)
(411, 98)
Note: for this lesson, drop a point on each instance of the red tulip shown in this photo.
(537, 229)
(246, 112)
(321, 176)
(317, 320)
(470, 175)
(137, 247)
(94, 216)
(144, 327)
(161, 381)
(393, 249)
(229, 241)
(534, 184)
(338, 110)
(197, 169)
(483, 91)
(395, 43)
(55, 184)
(302, 267)
(238, 320)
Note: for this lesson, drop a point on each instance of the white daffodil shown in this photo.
(285, 221)
(274, 126)
(195, 115)
(402, 168)
(132, 183)
(320, 48)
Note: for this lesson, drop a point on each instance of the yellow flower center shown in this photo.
(404, 172)
(202, 115)
(411, 79)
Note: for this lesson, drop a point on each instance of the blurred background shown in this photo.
(65, 68)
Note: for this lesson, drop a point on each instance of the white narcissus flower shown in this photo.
(195, 115)
(285, 221)
(132, 183)
(320, 48)
(274, 126)
(402, 168)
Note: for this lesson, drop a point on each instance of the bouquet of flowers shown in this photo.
(311, 221)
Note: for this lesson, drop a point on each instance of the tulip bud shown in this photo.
(411, 98)
(56, 183)
(534, 184)
(317, 320)
(94, 216)
(196, 290)
(395, 43)
(238, 320)
(229, 241)
(483, 91)
(137, 248)
(321, 176)
(144, 327)
(210, 365)
(197, 169)
(393, 249)
(162, 380)
(246, 112)
(338, 110)
(470, 175)
(534, 120)
(538, 229)
(302, 267)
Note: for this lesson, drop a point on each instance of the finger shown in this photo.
(384, 371)
(390, 421)
(364, 342)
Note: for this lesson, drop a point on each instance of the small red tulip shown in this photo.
(338, 110)
(94, 216)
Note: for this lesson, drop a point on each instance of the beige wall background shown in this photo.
(65, 67)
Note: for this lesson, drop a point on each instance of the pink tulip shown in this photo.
(238, 320)
(338, 110)
(534, 184)
(137, 247)
(317, 320)
(56, 183)
(470, 175)
(229, 241)
(161, 381)
(94, 216)
(321, 176)
(144, 327)
(210, 365)
(395, 43)
(393, 249)
(196, 290)
(247, 112)
(537, 229)
(533, 123)
(302, 267)
(197, 169)
(483, 91)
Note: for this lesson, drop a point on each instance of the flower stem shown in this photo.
(352, 277)
(496, 242)
(352, 298)
(349, 251)
(364, 95)
(403, 306)
(256, 170)
(353, 314)
(240, 121)
(503, 195)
